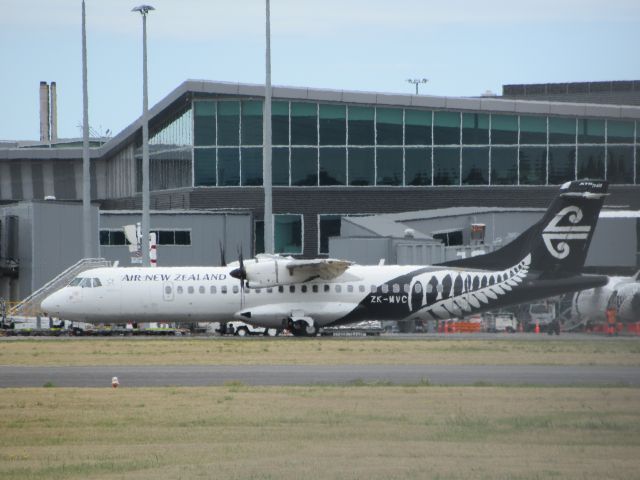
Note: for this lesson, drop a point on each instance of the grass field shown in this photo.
(321, 351)
(359, 431)
(354, 432)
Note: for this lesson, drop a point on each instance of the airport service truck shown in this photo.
(499, 322)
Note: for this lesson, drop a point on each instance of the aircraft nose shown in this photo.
(51, 304)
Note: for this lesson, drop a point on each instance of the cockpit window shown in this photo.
(96, 282)
(75, 282)
(85, 283)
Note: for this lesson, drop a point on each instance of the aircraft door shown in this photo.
(167, 291)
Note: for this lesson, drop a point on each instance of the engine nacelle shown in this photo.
(591, 305)
(268, 271)
(628, 303)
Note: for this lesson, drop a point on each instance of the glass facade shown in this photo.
(335, 144)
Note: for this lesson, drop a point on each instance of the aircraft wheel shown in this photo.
(242, 332)
(311, 331)
(271, 332)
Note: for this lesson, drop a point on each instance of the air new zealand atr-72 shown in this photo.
(304, 295)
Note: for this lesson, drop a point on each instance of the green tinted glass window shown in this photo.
(620, 164)
(258, 236)
(204, 168)
(533, 165)
(446, 128)
(417, 165)
(475, 166)
(304, 126)
(446, 166)
(280, 123)
(287, 231)
(251, 166)
(333, 166)
(389, 126)
(333, 124)
(304, 166)
(361, 127)
(228, 123)
(228, 166)
(361, 166)
(329, 227)
(417, 127)
(280, 166)
(533, 130)
(504, 166)
(590, 131)
(389, 166)
(475, 129)
(619, 131)
(562, 165)
(562, 130)
(591, 162)
(252, 122)
(204, 123)
(504, 130)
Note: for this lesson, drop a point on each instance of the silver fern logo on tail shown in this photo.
(561, 234)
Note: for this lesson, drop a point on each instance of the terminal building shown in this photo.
(336, 155)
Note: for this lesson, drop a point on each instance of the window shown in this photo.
(204, 123)
(385, 288)
(288, 233)
(446, 128)
(361, 288)
(112, 237)
(504, 165)
(333, 125)
(361, 127)
(204, 168)
(533, 165)
(190, 289)
(314, 288)
(303, 288)
(172, 237)
(292, 289)
(251, 166)
(326, 288)
(235, 289)
(450, 238)
(475, 166)
(223, 289)
(620, 164)
(304, 129)
(350, 288)
(212, 289)
(280, 123)
(417, 166)
(389, 171)
(562, 130)
(338, 288)
(329, 227)
(374, 289)
(395, 288)
(333, 166)
(562, 164)
(304, 166)
(361, 166)
(504, 129)
(389, 126)
(228, 167)
(446, 166)
(591, 162)
(180, 290)
(533, 130)
(167, 290)
(280, 166)
(201, 289)
(475, 129)
(590, 131)
(251, 122)
(229, 123)
(417, 127)
(619, 131)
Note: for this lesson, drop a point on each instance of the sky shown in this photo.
(463, 48)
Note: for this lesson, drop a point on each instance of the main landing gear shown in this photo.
(302, 326)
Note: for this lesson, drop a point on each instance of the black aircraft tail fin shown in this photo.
(559, 242)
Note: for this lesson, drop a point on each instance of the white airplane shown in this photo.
(304, 295)
(621, 293)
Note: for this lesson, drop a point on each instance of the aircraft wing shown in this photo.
(324, 268)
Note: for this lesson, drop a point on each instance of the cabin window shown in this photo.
(280, 289)
(292, 289)
(303, 289)
(167, 290)
(235, 289)
(191, 289)
(75, 282)
(385, 288)
(223, 289)
(361, 288)
(407, 288)
(85, 283)
(396, 288)
(338, 288)
(374, 289)
(350, 288)
(201, 289)
(96, 282)
(180, 289)
(314, 288)
(269, 290)
(212, 289)
(327, 288)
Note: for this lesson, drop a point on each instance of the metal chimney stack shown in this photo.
(45, 133)
(54, 113)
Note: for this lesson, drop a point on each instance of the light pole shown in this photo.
(417, 81)
(86, 172)
(145, 226)
(266, 141)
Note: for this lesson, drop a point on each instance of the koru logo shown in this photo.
(554, 232)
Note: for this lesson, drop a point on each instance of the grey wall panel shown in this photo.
(15, 174)
(605, 252)
(37, 180)
(64, 180)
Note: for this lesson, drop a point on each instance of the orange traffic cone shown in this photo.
(537, 329)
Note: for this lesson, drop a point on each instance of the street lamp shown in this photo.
(145, 226)
(86, 179)
(417, 81)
